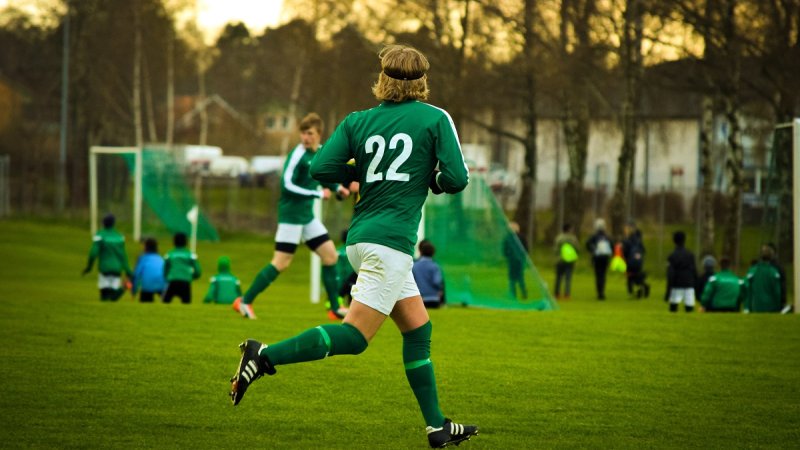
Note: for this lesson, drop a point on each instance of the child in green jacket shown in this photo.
(225, 287)
(108, 248)
(180, 268)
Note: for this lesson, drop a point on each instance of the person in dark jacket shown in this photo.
(633, 251)
(681, 275)
(428, 276)
(709, 264)
(601, 249)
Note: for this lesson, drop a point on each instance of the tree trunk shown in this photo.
(706, 169)
(201, 100)
(170, 132)
(735, 169)
(137, 77)
(632, 68)
(152, 135)
(526, 207)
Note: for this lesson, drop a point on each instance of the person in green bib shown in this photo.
(296, 222)
(397, 147)
(108, 248)
(566, 248)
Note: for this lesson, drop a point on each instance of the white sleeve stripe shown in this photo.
(294, 158)
(455, 133)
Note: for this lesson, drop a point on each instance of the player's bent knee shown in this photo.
(345, 339)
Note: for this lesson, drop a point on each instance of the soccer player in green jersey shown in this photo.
(108, 247)
(396, 146)
(296, 222)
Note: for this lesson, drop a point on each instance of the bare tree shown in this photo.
(632, 68)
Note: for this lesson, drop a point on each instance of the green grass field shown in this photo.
(618, 374)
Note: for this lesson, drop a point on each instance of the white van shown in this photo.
(228, 166)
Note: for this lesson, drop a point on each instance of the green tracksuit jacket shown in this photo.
(108, 247)
(724, 290)
(181, 265)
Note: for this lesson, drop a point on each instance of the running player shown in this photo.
(296, 222)
(397, 146)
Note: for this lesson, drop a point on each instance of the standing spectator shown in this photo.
(566, 248)
(428, 276)
(296, 222)
(723, 292)
(108, 247)
(382, 235)
(709, 263)
(774, 261)
(515, 250)
(681, 275)
(148, 276)
(763, 285)
(633, 251)
(224, 287)
(180, 269)
(600, 248)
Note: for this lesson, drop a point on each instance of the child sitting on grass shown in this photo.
(225, 287)
(180, 268)
(148, 277)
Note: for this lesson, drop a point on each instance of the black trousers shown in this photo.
(182, 289)
(600, 264)
(147, 297)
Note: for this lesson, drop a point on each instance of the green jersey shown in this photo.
(181, 265)
(108, 247)
(723, 291)
(763, 284)
(298, 189)
(396, 147)
(224, 289)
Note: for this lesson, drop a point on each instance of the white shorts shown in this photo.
(686, 295)
(109, 282)
(384, 276)
(292, 233)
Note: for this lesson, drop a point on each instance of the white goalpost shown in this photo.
(137, 185)
(796, 215)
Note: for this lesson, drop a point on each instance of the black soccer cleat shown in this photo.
(251, 367)
(450, 433)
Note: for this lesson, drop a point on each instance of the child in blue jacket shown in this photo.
(148, 277)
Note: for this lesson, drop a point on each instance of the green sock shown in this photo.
(262, 281)
(419, 371)
(330, 278)
(317, 343)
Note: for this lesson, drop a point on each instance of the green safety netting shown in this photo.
(474, 246)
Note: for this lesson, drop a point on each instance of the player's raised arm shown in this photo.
(330, 163)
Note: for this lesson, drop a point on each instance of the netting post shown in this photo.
(796, 215)
(92, 191)
(137, 196)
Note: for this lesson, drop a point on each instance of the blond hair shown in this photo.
(403, 74)
(311, 120)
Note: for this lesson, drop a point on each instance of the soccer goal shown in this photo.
(116, 182)
(123, 180)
